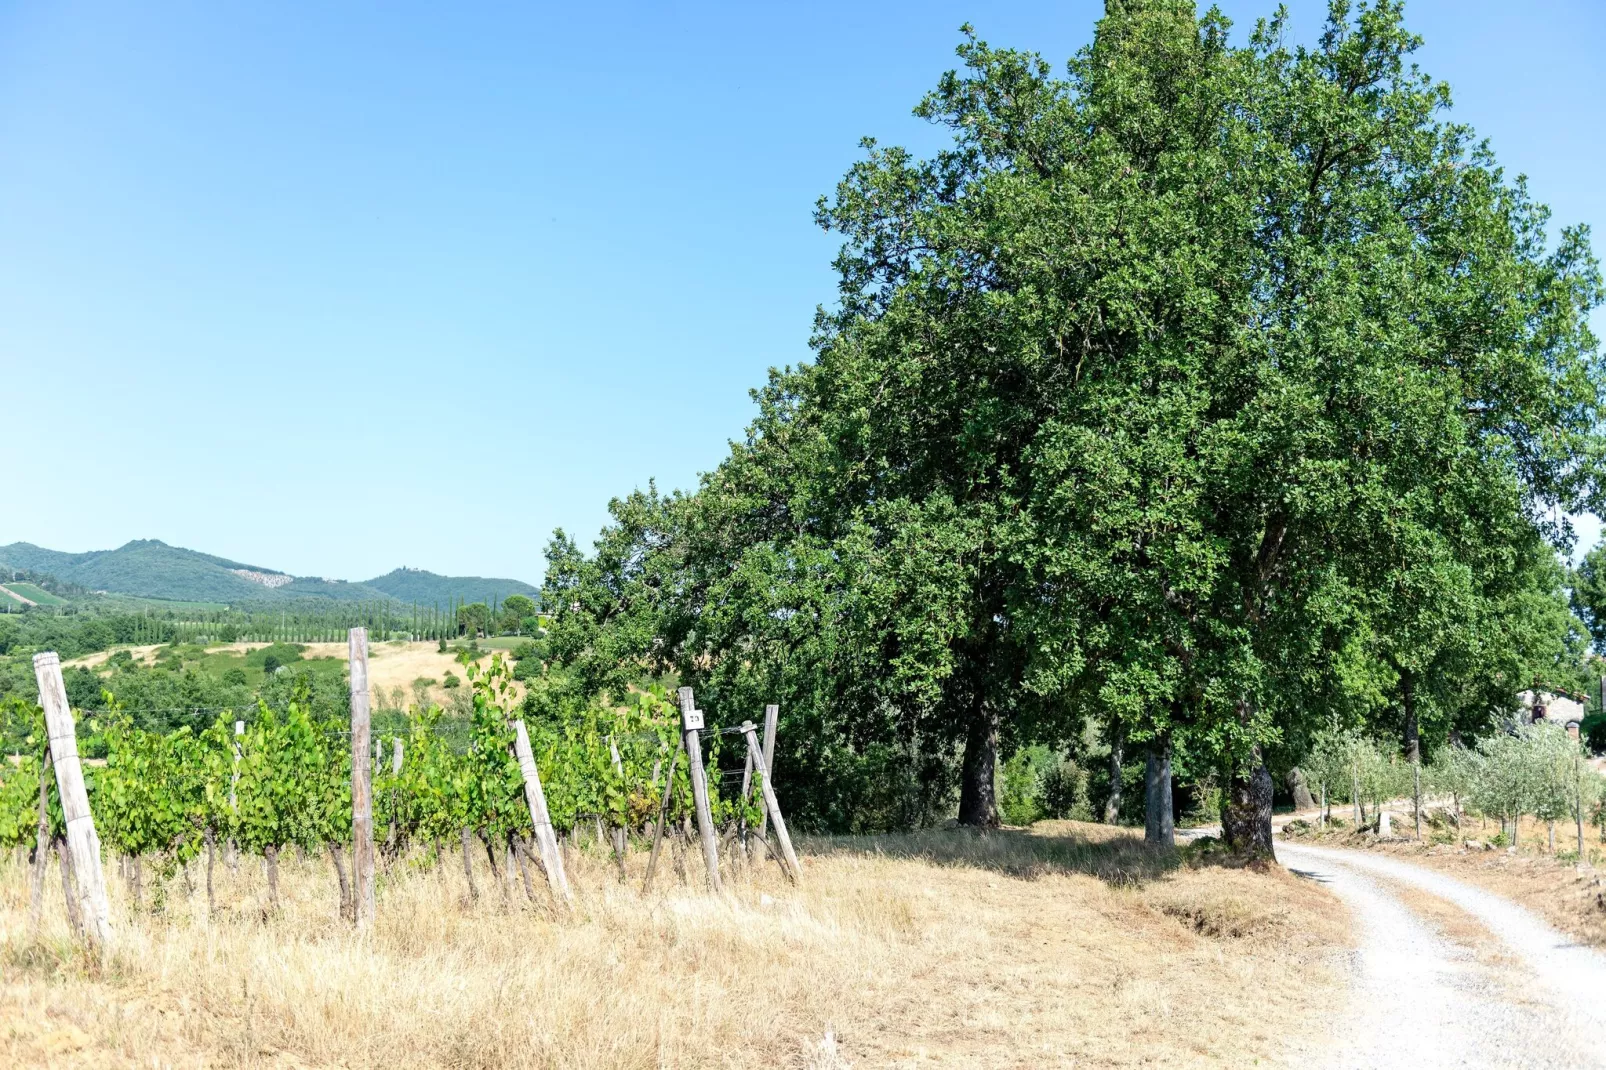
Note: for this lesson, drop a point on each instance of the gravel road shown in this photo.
(1525, 997)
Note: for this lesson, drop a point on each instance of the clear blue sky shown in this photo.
(334, 288)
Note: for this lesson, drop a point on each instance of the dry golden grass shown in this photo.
(1067, 945)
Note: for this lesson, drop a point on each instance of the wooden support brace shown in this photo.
(773, 808)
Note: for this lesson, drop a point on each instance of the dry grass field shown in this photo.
(1066, 945)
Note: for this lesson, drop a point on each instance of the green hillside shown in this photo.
(34, 593)
(426, 588)
(151, 569)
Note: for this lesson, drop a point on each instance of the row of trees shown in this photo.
(1202, 394)
(1533, 770)
(170, 798)
(74, 631)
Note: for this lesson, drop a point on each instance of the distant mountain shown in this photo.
(149, 568)
(426, 588)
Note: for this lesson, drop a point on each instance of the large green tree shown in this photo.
(1184, 388)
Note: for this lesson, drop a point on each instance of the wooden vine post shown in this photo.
(545, 838)
(362, 796)
(83, 844)
(771, 807)
(691, 722)
(772, 714)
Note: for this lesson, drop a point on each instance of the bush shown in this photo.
(442, 645)
(452, 680)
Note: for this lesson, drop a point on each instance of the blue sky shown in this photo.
(335, 288)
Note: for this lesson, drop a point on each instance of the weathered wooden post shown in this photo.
(771, 807)
(535, 797)
(691, 722)
(83, 844)
(362, 799)
(772, 714)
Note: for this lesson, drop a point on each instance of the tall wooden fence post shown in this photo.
(773, 808)
(535, 797)
(83, 844)
(772, 715)
(691, 721)
(362, 798)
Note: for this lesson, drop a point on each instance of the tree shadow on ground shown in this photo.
(1116, 856)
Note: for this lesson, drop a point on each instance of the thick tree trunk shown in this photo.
(1300, 789)
(1112, 805)
(1159, 825)
(978, 800)
(1246, 815)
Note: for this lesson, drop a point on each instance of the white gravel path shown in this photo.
(1425, 1001)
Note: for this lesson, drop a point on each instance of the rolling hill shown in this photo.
(150, 568)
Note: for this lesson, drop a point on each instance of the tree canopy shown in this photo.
(1224, 390)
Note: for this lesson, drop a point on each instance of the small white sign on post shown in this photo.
(691, 720)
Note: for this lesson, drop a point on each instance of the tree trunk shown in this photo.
(1413, 748)
(1112, 805)
(978, 801)
(1159, 823)
(136, 880)
(348, 910)
(1552, 824)
(270, 855)
(468, 868)
(1298, 787)
(1246, 814)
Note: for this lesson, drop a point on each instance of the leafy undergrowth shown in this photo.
(1569, 894)
(1064, 945)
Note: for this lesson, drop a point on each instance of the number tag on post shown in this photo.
(691, 720)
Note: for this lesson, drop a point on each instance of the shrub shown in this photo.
(452, 680)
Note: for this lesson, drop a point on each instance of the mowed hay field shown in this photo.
(391, 665)
(1066, 945)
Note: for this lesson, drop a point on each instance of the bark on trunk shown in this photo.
(978, 801)
(1159, 823)
(1112, 805)
(1246, 815)
(348, 906)
(1300, 789)
(1413, 748)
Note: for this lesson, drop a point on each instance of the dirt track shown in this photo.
(1449, 975)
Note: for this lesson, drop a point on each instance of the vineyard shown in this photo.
(262, 782)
